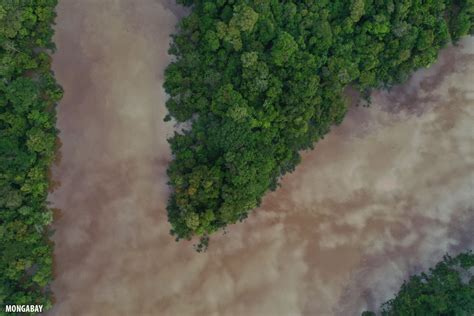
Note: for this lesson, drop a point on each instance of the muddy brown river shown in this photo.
(384, 195)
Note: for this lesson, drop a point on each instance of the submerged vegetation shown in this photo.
(28, 95)
(261, 80)
(447, 289)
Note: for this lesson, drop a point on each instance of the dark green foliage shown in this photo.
(262, 80)
(447, 289)
(28, 94)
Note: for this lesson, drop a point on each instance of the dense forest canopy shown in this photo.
(261, 80)
(447, 289)
(28, 94)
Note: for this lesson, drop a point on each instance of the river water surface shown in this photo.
(385, 194)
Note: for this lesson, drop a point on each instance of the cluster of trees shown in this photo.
(28, 95)
(260, 80)
(447, 289)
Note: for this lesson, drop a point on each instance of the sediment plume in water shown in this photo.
(384, 195)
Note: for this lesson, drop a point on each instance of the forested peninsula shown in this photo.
(28, 95)
(257, 81)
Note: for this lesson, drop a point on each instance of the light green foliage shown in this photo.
(284, 48)
(244, 18)
(28, 94)
(357, 10)
(262, 80)
(447, 289)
